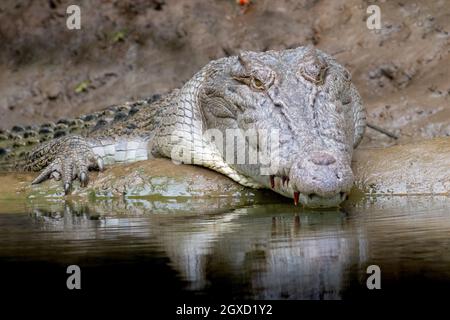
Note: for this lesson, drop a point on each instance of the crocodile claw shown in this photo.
(100, 165)
(70, 166)
(55, 175)
(66, 188)
(83, 179)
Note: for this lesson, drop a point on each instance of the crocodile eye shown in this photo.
(257, 84)
(313, 68)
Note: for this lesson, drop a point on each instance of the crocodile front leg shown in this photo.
(70, 158)
(66, 158)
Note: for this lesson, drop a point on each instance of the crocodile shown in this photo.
(285, 120)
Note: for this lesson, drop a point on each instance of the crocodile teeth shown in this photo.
(285, 179)
(296, 195)
(272, 181)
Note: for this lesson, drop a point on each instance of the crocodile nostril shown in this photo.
(322, 159)
(278, 104)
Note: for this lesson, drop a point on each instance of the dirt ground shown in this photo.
(127, 50)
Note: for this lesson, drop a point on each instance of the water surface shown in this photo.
(269, 250)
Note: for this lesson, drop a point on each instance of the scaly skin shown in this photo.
(303, 95)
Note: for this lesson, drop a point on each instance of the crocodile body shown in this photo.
(302, 95)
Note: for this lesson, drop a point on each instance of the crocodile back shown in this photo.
(18, 141)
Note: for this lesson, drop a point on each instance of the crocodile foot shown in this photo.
(71, 165)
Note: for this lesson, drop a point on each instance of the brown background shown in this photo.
(127, 50)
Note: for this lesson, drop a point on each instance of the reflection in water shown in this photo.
(267, 251)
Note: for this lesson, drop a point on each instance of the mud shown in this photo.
(127, 50)
(421, 168)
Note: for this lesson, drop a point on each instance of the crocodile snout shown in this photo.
(321, 179)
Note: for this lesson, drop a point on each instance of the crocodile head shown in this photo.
(304, 103)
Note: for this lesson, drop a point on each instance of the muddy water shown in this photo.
(269, 250)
